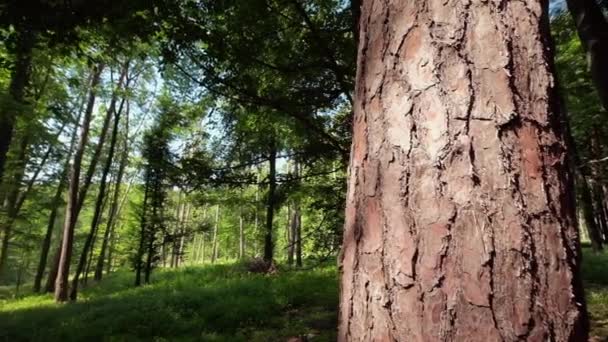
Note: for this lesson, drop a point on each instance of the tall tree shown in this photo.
(460, 222)
(71, 214)
(98, 210)
(113, 214)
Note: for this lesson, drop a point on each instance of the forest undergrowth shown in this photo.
(217, 303)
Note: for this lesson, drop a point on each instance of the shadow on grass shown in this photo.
(218, 303)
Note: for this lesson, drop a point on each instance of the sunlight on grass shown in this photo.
(214, 303)
(217, 303)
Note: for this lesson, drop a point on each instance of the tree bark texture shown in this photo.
(460, 221)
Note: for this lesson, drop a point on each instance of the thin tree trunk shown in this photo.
(113, 215)
(54, 270)
(214, 252)
(71, 215)
(460, 221)
(46, 243)
(241, 234)
(10, 202)
(586, 202)
(89, 258)
(291, 242)
(297, 231)
(257, 211)
(101, 198)
(592, 28)
(142, 236)
(268, 241)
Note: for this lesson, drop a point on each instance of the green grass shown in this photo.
(216, 303)
(595, 276)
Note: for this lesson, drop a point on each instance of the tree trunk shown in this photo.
(272, 184)
(71, 214)
(297, 231)
(10, 203)
(592, 29)
(113, 215)
(89, 258)
(20, 78)
(598, 210)
(291, 236)
(460, 221)
(256, 220)
(99, 203)
(214, 252)
(50, 281)
(586, 202)
(46, 243)
(142, 236)
(241, 234)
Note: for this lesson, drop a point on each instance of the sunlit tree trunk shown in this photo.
(114, 208)
(460, 221)
(99, 203)
(71, 214)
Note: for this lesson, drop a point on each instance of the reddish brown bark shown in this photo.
(459, 222)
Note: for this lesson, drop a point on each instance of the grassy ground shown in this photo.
(216, 303)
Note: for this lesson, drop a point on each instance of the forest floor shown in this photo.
(216, 303)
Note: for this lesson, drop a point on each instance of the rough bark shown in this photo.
(592, 28)
(460, 220)
(270, 203)
(71, 214)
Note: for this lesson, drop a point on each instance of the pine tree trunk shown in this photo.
(460, 223)
(272, 184)
(71, 213)
(214, 252)
(592, 28)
